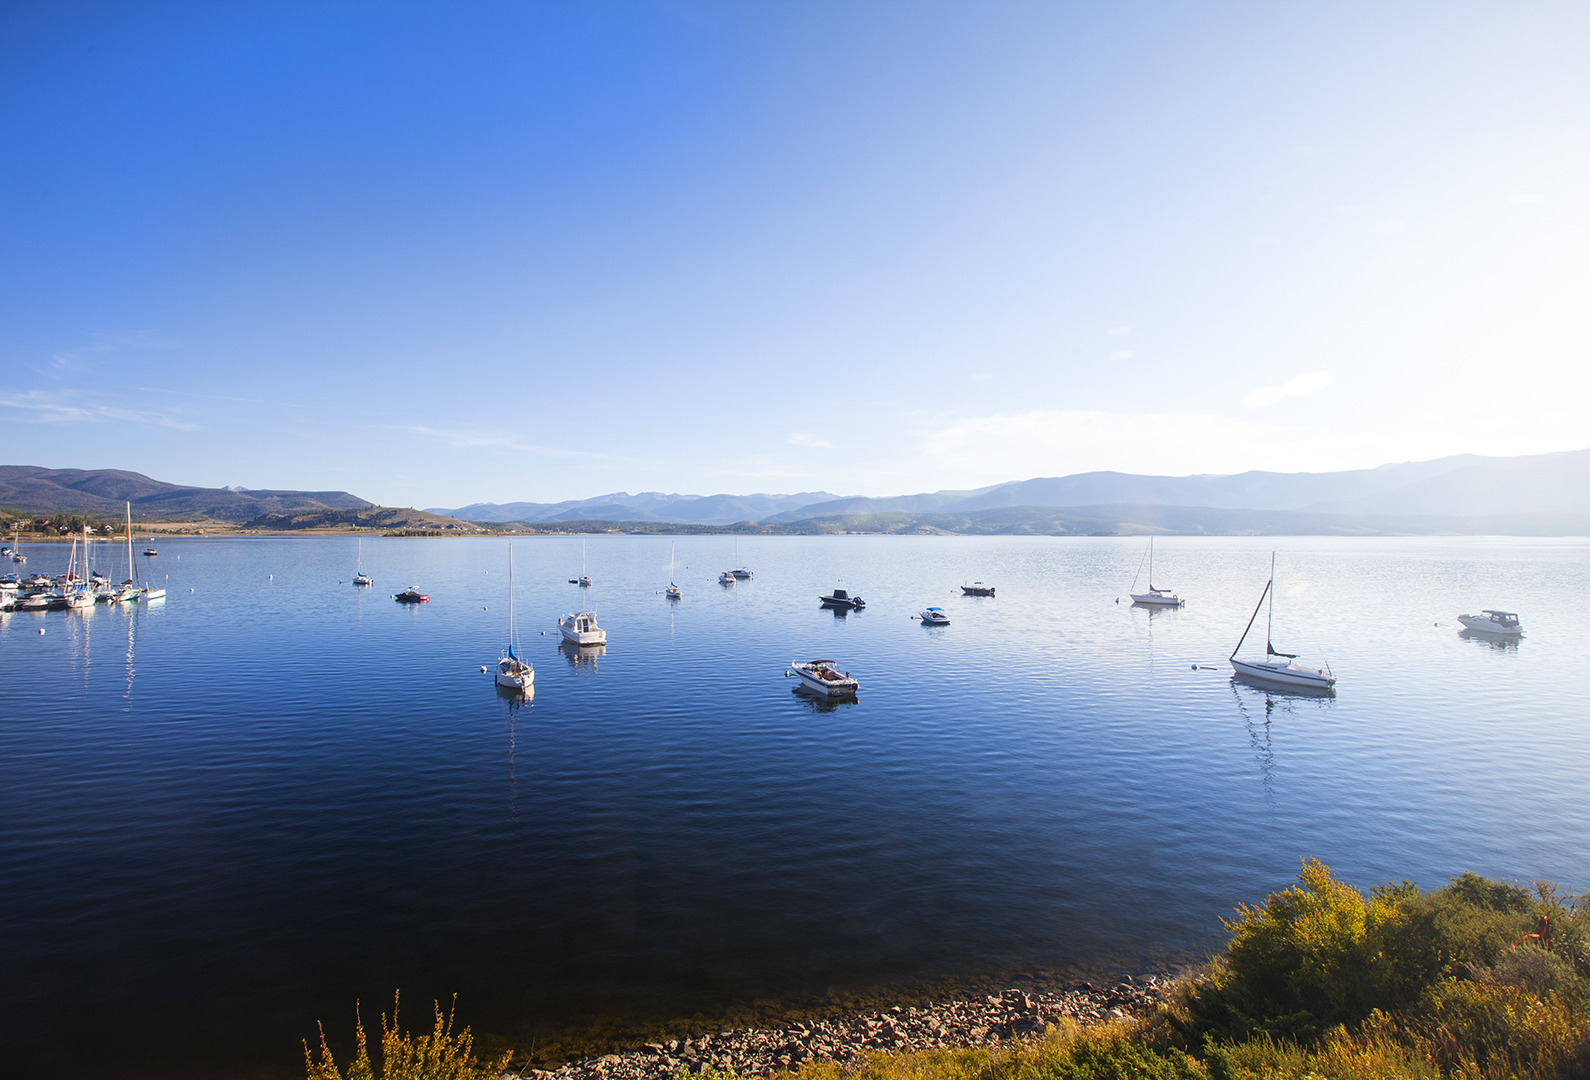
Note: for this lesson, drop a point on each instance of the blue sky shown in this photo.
(443, 253)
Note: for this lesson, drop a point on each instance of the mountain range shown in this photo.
(1541, 494)
(1461, 486)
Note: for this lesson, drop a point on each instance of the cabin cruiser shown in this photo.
(411, 595)
(727, 578)
(741, 573)
(1501, 623)
(580, 629)
(842, 599)
(150, 551)
(977, 588)
(934, 616)
(820, 676)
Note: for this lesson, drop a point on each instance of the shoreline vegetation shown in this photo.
(1478, 980)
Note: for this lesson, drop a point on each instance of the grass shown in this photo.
(1479, 980)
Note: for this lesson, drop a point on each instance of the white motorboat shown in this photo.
(512, 672)
(822, 677)
(934, 616)
(580, 629)
(359, 576)
(841, 599)
(1154, 597)
(727, 578)
(1500, 623)
(1277, 668)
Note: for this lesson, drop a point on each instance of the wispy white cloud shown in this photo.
(504, 441)
(44, 406)
(1300, 386)
(801, 438)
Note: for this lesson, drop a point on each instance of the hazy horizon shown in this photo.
(436, 256)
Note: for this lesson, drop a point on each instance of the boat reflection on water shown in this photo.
(1255, 697)
(820, 702)
(516, 696)
(1499, 642)
(581, 656)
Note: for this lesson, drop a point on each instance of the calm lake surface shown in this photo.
(229, 814)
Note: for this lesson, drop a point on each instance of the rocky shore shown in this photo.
(1000, 1020)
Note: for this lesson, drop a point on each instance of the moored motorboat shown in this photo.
(842, 599)
(580, 628)
(934, 616)
(822, 677)
(727, 578)
(1277, 668)
(977, 588)
(150, 551)
(411, 595)
(1500, 623)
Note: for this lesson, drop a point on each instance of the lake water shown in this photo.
(232, 813)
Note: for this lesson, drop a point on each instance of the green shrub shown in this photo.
(441, 1055)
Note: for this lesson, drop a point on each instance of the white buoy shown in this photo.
(41, 629)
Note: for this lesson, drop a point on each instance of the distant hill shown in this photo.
(647, 506)
(104, 492)
(1464, 485)
(372, 518)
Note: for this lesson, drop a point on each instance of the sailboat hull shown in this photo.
(1156, 600)
(512, 681)
(1284, 674)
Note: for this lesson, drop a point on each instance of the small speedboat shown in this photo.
(582, 581)
(580, 629)
(150, 551)
(1500, 623)
(821, 676)
(934, 616)
(842, 599)
(977, 588)
(411, 595)
(727, 578)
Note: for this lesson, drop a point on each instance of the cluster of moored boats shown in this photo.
(1276, 668)
(81, 586)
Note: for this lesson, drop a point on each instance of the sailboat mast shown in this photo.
(131, 574)
(1269, 618)
(510, 599)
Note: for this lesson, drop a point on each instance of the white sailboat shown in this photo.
(1153, 597)
(1277, 667)
(360, 578)
(672, 591)
(739, 571)
(512, 672)
(584, 580)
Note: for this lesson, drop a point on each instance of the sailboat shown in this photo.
(672, 591)
(739, 571)
(584, 580)
(1277, 667)
(359, 577)
(512, 672)
(75, 587)
(127, 591)
(139, 592)
(1153, 597)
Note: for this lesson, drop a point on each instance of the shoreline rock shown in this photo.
(997, 1021)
